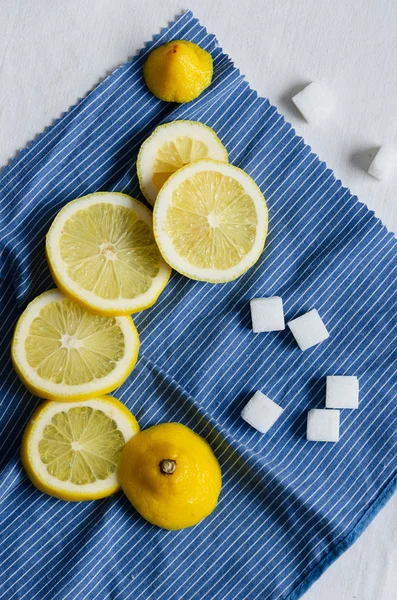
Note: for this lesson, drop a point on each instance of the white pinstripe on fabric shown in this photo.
(345, 441)
(352, 509)
(50, 130)
(325, 312)
(57, 125)
(358, 358)
(236, 518)
(74, 190)
(295, 455)
(209, 381)
(10, 472)
(353, 340)
(326, 514)
(15, 424)
(319, 475)
(18, 510)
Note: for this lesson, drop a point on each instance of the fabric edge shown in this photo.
(20, 153)
(346, 542)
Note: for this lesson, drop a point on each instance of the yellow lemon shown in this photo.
(71, 450)
(210, 221)
(63, 352)
(102, 254)
(170, 147)
(170, 475)
(178, 71)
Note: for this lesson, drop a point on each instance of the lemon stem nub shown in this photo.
(167, 466)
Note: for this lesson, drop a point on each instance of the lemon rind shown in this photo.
(165, 245)
(65, 393)
(147, 151)
(73, 290)
(54, 487)
(175, 93)
(150, 504)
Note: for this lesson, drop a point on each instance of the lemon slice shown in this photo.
(210, 221)
(71, 450)
(63, 352)
(102, 254)
(170, 147)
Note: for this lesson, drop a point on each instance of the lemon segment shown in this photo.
(102, 253)
(71, 450)
(210, 221)
(170, 475)
(63, 352)
(178, 71)
(170, 147)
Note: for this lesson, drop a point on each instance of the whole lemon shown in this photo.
(178, 71)
(170, 475)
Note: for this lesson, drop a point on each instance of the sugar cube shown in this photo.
(323, 425)
(267, 314)
(313, 102)
(384, 163)
(341, 391)
(261, 412)
(308, 329)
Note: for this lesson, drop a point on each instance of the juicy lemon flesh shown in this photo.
(178, 71)
(109, 251)
(174, 155)
(67, 345)
(211, 221)
(81, 445)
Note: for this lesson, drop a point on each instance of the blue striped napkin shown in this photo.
(288, 507)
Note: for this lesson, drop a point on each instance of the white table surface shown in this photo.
(52, 53)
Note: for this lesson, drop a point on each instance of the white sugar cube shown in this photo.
(308, 329)
(341, 392)
(267, 314)
(261, 412)
(384, 163)
(313, 102)
(323, 425)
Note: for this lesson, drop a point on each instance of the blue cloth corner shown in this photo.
(288, 507)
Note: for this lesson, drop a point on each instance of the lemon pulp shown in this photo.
(81, 445)
(172, 146)
(211, 220)
(173, 155)
(66, 345)
(71, 450)
(108, 250)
